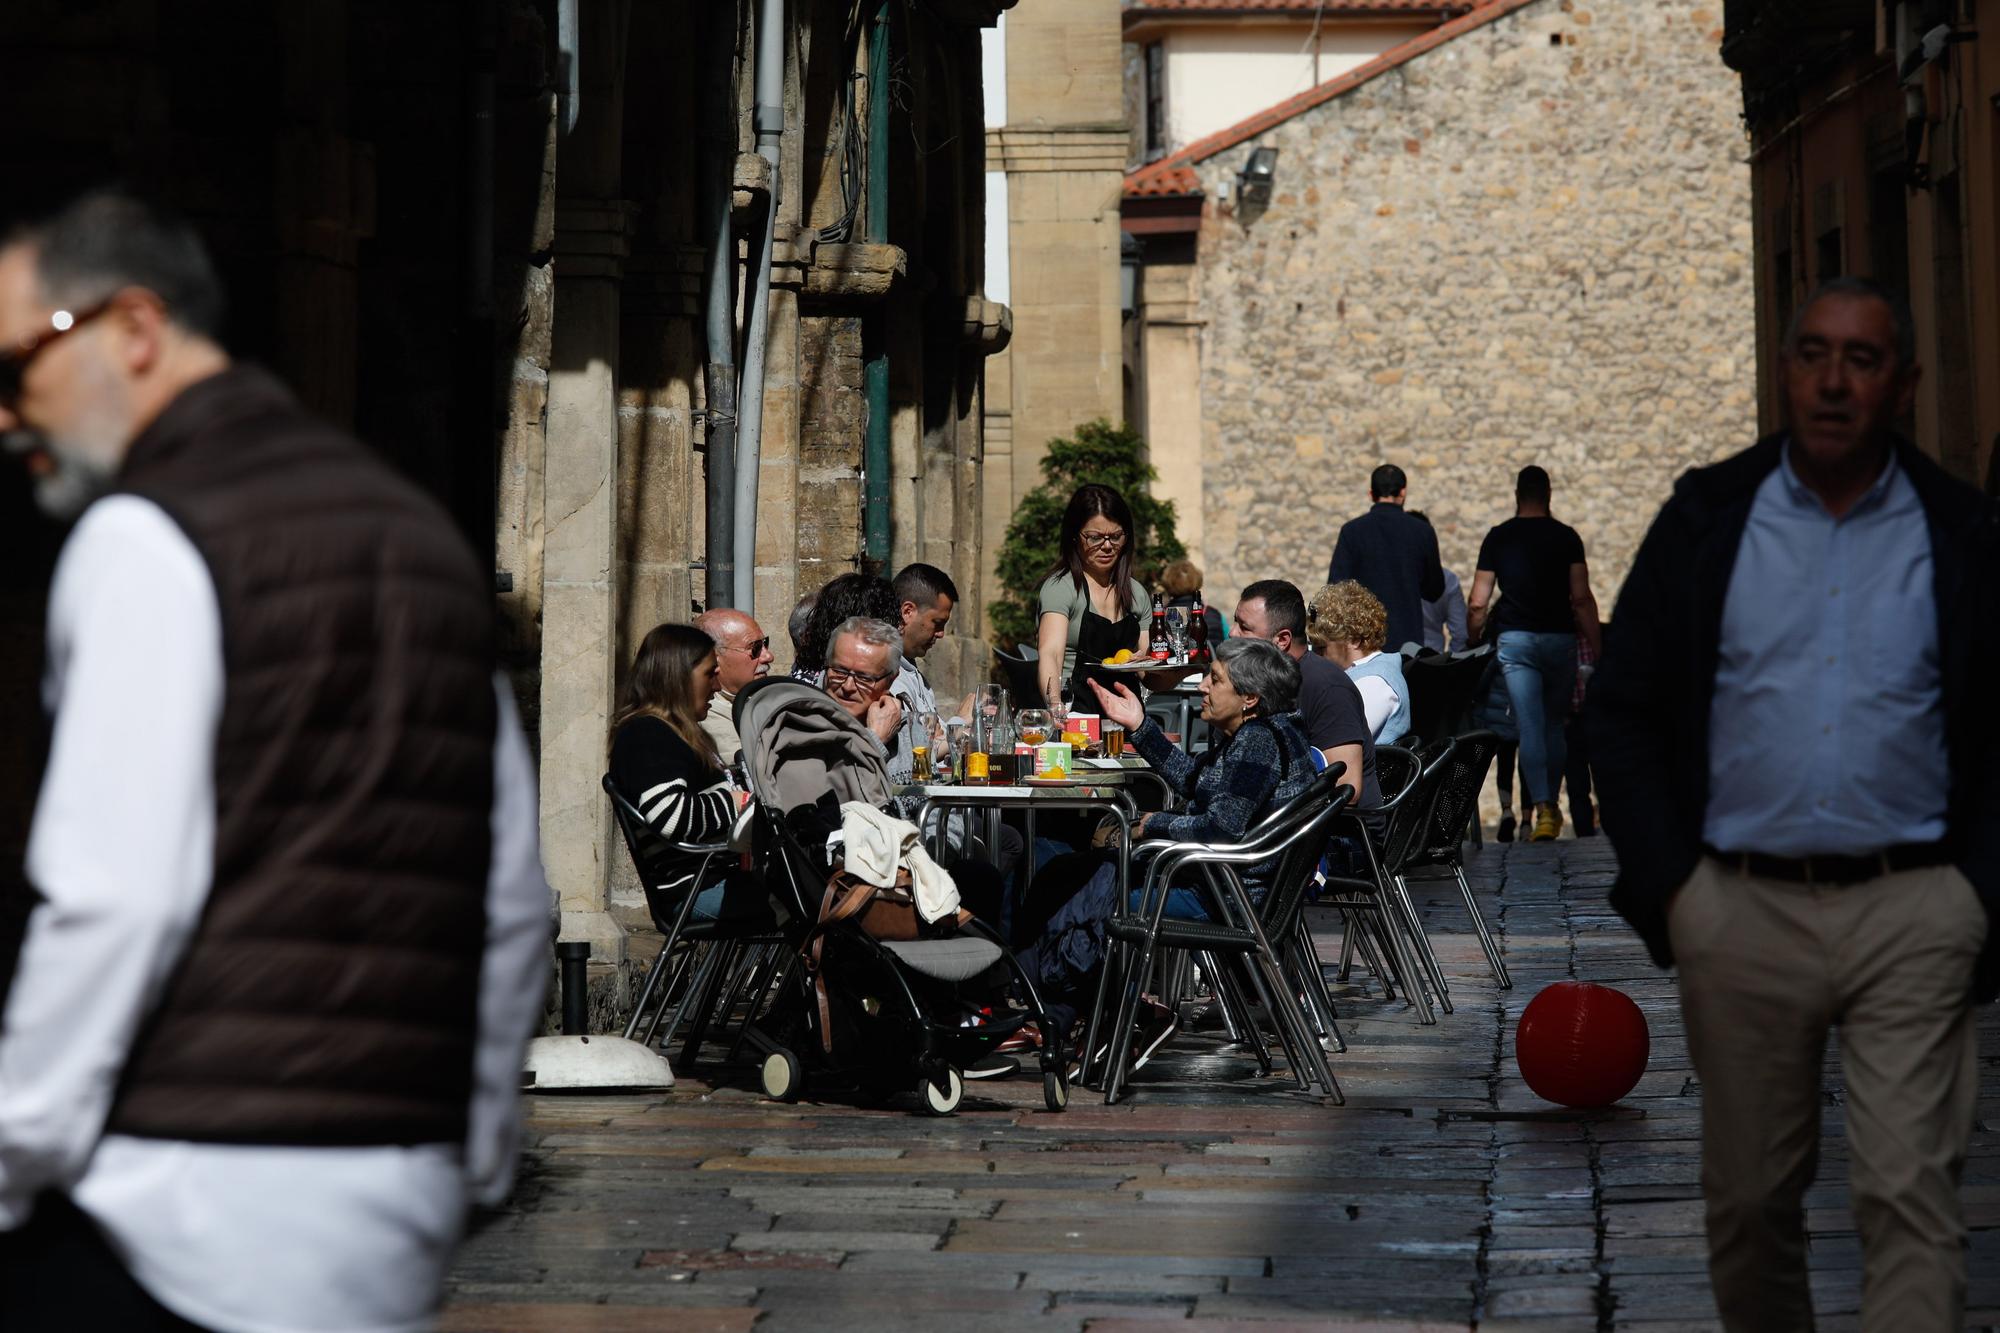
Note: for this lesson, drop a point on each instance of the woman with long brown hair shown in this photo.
(665, 765)
(1091, 606)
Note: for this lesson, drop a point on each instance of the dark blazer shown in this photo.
(1646, 716)
(1395, 557)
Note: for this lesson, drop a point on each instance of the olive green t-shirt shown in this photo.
(1061, 595)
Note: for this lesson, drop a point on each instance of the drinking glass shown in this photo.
(1034, 725)
(1177, 632)
(989, 711)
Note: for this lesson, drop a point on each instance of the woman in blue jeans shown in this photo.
(1260, 761)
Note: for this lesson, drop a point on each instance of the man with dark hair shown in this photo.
(289, 931)
(1329, 703)
(1392, 555)
(1796, 744)
(1545, 604)
(926, 597)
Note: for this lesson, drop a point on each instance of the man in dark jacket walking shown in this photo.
(1793, 733)
(1392, 555)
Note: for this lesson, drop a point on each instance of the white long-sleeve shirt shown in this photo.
(250, 1238)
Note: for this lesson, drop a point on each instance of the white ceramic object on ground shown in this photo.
(579, 1063)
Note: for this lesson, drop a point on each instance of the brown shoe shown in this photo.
(1548, 822)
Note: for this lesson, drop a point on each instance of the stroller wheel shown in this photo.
(784, 1076)
(941, 1098)
(1055, 1089)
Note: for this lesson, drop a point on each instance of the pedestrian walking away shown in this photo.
(290, 931)
(1797, 752)
(1444, 615)
(1393, 555)
(1545, 604)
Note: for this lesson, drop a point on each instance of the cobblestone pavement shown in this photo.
(1444, 1195)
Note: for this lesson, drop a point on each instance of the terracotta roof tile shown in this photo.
(1154, 178)
(1145, 183)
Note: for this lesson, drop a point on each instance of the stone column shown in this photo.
(1063, 150)
(580, 541)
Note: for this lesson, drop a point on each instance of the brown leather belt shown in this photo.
(1828, 868)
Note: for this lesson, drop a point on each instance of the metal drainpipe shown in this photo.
(875, 464)
(569, 40)
(769, 121)
(719, 160)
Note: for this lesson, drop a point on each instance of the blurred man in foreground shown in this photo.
(1797, 751)
(263, 1044)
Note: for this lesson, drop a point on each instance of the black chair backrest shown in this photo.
(1023, 684)
(646, 848)
(1395, 769)
(1299, 862)
(1463, 774)
(1411, 818)
(1444, 689)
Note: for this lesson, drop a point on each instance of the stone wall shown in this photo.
(1531, 244)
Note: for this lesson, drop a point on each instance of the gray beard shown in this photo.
(70, 484)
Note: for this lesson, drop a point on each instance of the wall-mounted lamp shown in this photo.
(1131, 258)
(1253, 183)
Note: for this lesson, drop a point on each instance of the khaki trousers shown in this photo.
(1766, 968)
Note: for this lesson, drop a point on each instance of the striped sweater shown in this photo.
(682, 797)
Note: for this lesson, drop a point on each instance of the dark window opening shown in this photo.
(1156, 99)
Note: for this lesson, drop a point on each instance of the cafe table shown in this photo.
(1100, 785)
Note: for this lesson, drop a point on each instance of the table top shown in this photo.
(1103, 787)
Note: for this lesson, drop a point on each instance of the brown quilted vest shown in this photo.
(329, 994)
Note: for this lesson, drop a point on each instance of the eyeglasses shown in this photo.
(1104, 540)
(755, 648)
(15, 360)
(841, 673)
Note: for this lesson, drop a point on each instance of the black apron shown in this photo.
(1097, 639)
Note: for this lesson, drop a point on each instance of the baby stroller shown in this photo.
(892, 1015)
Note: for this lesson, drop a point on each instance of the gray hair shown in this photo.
(869, 630)
(803, 612)
(1260, 667)
(1903, 336)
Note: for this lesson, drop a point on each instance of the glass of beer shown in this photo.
(1114, 740)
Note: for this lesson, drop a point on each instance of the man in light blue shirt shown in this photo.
(1797, 752)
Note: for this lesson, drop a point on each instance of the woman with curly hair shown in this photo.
(1346, 624)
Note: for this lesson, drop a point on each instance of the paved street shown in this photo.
(1442, 1196)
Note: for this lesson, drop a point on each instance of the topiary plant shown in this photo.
(1099, 452)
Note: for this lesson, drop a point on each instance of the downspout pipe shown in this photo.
(719, 282)
(768, 118)
(569, 39)
(875, 463)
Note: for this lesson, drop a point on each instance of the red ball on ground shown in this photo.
(1580, 1044)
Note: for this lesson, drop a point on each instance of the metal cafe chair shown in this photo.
(1403, 819)
(1239, 933)
(1441, 844)
(714, 952)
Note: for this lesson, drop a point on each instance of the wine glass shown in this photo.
(1033, 725)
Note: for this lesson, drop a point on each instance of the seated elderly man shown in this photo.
(742, 654)
(1346, 624)
(1260, 761)
(863, 657)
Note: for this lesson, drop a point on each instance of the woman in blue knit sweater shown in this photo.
(1261, 761)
